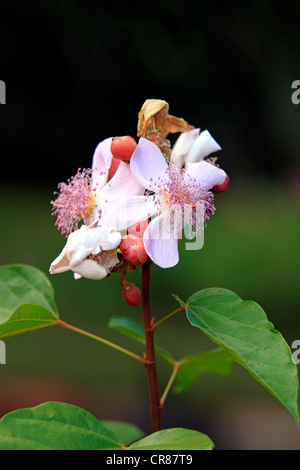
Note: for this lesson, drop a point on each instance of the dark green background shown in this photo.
(77, 72)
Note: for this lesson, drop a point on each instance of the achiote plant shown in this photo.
(131, 209)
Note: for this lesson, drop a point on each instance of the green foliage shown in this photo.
(128, 327)
(127, 432)
(61, 426)
(192, 367)
(174, 439)
(55, 426)
(27, 300)
(243, 330)
(240, 329)
(189, 368)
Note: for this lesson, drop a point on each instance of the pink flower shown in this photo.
(175, 198)
(85, 194)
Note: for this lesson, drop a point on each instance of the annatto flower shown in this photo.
(174, 196)
(86, 193)
(89, 252)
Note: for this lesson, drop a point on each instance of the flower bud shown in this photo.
(131, 294)
(115, 162)
(123, 147)
(133, 250)
(222, 188)
(138, 229)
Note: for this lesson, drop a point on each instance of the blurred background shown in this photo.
(77, 72)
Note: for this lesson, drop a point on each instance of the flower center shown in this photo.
(184, 197)
(75, 202)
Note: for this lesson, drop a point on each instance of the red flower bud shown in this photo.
(138, 229)
(123, 147)
(133, 250)
(131, 294)
(221, 188)
(115, 162)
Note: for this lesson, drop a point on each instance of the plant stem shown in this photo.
(67, 326)
(166, 318)
(170, 382)
(155, 405)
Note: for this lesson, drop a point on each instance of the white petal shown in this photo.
(112, 241)
(91, 245)
(147, 163)
(91, 270)
(60, 264)
(182, 146)
(121, 214)
(203, 146)
(101, 163)
(205, 173)
(75, 240)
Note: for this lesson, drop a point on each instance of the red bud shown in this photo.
(123, 147)
(115, 162)
(131, 295)
(138, 229)
(133, 250)
(221, 188)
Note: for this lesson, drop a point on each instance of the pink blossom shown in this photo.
(85, 194)
(174, 197)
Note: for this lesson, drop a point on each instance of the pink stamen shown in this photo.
(75, 202)
(178, 193)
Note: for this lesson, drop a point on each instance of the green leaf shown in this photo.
(55, 426)
(128, 327)
(243, 330)
(192, 367)
(26, 300)
(174, 439)
(127, 432)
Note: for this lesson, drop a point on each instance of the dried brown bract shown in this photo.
(155, 123)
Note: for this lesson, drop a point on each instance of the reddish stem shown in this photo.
(155, 406)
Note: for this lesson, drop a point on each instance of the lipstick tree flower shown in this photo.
(175, 197)
(123, 214)
(91, 251)
(85, 194)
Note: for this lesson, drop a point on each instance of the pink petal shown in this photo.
(122, 185)
(147, 163)
(203, 146)
(205, 173)
(182, 146)
(122, 213)
(101, 163)
(160, 243)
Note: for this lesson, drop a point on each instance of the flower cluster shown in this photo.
(136, 199)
